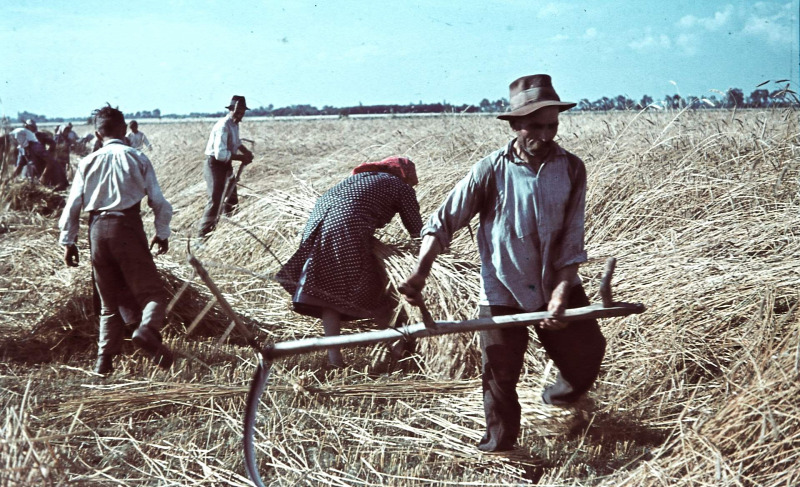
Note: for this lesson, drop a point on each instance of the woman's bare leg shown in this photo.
(332, 324)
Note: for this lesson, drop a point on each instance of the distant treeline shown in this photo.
(733, 98)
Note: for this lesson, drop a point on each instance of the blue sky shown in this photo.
(63, 59)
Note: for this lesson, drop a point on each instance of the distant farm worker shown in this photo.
(224, 147)
(28, 146)
(65, 137)
(34, 160)
(334, 275)
(137, 138)
(53, 174)
(530, 198)
(110, 184)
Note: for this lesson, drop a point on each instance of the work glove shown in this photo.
(71, 255)
(163, 245)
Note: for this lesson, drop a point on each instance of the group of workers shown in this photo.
(45, 157)
(529, 196)
(42, 156)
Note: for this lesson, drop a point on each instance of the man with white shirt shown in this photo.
(224, 147)
(26, 147)
(110, 184)
(137, 138)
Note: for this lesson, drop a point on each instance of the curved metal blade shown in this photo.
(257, 386)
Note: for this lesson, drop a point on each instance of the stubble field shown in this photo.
(700, 208)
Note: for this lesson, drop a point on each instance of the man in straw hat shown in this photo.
(110, 184)
(224, 146)
(530, 198)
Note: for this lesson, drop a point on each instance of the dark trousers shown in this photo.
(26, 167)
(123, 266)
(577, 351)
(217, 174)
(52, 174)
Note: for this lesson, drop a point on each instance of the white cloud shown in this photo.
(549, 10)
(770, 21)
(687, 43)
(590, 33)
(775, 26)
(718, 21)
(650, 42)
(559, 38)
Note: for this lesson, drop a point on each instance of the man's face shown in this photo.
(535, 133)
(238, 112)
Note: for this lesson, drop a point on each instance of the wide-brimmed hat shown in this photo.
(29, 123)
(237, 99)
(530, 93)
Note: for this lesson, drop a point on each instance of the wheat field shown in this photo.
(700, 208)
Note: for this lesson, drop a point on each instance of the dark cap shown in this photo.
(237, 99)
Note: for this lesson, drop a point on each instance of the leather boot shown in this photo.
(104, 365)
(149, 341)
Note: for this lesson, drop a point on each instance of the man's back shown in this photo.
(138, 140)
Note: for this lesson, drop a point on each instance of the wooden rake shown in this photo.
(607, 308)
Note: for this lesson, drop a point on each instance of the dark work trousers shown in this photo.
(28, 168)
(217, 174)
(123, 266)
(576, 350)
(51, 173)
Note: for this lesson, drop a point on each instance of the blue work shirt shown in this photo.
(531, 223)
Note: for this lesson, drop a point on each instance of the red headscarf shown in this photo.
(402, 167)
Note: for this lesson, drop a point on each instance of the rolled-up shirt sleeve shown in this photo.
(219, 144)
(461, 204)
(70, 217)
(162, 209)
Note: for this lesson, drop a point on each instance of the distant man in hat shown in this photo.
(110, 184)
(530, 199)
(137, 138)
(224, 147)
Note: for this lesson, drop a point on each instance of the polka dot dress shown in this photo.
(335, 266)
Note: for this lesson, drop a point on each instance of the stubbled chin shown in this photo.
(536, 148)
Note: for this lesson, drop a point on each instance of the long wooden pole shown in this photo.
(419, 330)
(606, 309)
(226, 307)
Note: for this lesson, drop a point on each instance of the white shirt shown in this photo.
(115, 177)
(224, 141)
(23, 137)
(138, 140)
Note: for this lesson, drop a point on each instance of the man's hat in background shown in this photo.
(530, 93)
(237, 99)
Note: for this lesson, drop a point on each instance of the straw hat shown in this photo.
(530, 93)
